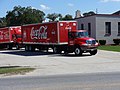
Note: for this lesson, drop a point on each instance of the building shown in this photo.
(101, 26)
(77, 14)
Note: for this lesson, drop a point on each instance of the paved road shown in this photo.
(52, 64)
(101, 81)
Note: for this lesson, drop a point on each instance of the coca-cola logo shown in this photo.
(40, 33)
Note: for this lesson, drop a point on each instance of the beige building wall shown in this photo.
(98, 27)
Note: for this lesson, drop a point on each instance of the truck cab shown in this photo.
(81, 42)
(10, 37)
(17, 38)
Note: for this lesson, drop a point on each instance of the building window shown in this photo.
(107, 28)
(89, 29)
(82, 26)
(118, 28)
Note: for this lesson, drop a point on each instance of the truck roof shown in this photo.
(48, 22)
(10, 27)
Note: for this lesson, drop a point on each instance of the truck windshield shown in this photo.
(78, 34)
(81, 34)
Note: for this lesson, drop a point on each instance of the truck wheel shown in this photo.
(56, 50)
(26, 48)
(65, 52)
(17, 47)
(78, 51)
(9, 47)
(93, 52)
(31, 48)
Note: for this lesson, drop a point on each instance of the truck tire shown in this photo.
(56, 50)
(9, 47)
(65, 53)
(26, 48)
(31, 48)
(78, 51)
(17, 47)
(93, 52)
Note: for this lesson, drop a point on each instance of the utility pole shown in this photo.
(96, 11)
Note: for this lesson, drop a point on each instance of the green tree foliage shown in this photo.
(67, 17)
(88, 13)
(22, 15)
(3, 22)
(53, 16)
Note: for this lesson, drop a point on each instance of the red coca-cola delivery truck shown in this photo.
(60, 36)
(10, 37)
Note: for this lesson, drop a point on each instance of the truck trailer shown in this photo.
(10, 37)
(61, 36)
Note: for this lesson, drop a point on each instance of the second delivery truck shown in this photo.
(10, 37)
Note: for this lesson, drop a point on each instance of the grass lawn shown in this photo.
(15, 70)
(110, 48)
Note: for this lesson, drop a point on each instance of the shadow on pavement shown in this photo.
(24, 53)
(39, 53)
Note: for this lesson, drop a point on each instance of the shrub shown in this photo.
(102, 42)
(116, 41)
(97, 41)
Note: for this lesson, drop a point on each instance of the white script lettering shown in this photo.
(40, 33)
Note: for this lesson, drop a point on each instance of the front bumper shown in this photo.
(88, 48)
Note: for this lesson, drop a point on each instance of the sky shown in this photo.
(63, 6)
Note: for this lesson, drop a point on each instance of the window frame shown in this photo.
(107, 28)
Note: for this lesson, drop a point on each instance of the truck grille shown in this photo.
(91, 42)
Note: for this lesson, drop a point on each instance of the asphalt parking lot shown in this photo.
(52, 64)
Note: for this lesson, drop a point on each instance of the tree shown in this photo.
(53, 16)
(3, 22)
(22, 15)
(67, 17)
(88, 13)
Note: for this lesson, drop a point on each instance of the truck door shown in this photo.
(71, 37)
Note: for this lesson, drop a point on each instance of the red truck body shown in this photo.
(58, 36)
(47, 33)
(10, 36)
